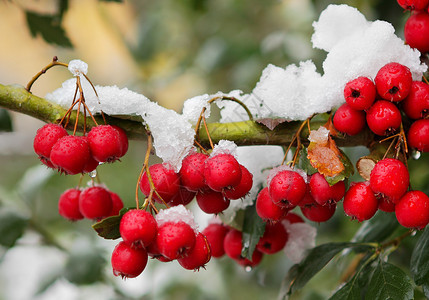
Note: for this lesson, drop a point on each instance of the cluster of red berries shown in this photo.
(94, 203)
(387, 190)
(72, 154)
(289, 188)
(379, 104)
(163, 238)
(214, 180)
(416, 28)
(226, 240)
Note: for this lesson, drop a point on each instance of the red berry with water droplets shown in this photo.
(222, 171)
(389, 178)
(212, 202)
(266, 209)
(322, 192)
(413, 4)
(349, 120)
(416, 31)
(138, 228)
(416, 105)
(233, 245)
(412, 210)
(192, 171)
(360, 93)
(165, 180)
(123, 140)
(287, 188)
(175, 239)
(199, 256)
(383, 118)
(68, 205)
(45, 139)
(105, 143)
(215, 234)
(70, 154)
(274, 238)
(183, 197)
(418, 135)
(360, 202)
(117, 204)
(385, 204)
(393, 82)
(128, 262)
(240, 190)
(318, 213)
(95, 203)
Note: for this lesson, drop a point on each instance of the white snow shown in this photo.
(193, 107)
(319, 136)
(302, 237)
(78, 67)
(224, 147)
(176, 214)
(356, 47)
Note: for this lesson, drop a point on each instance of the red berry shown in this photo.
(138, 228)
(70, 154)
(418, 135)
(192, 171)
(383, 118)
(287, 188)
(233, 245)
(45, 139)
(222, 171)
(256, 259)
(175, 239)
(385, 204)
(68, 205)
(308, 199)
(416, 105)
(318, 213)
(412, 211)
(165, 180)
(393, 82)
(413, 4)
(105, 143)
(153, 252)
(128, 262)
(123, 140)
(215, 234)
(199, 256)
(324, 193)
(293, 218)
(212, 202)
(416, 31)
(360, 93)
(117, 204)
(266, 209)
(183, 197)
(95, 202)
(90, 165)
(349, 120)
(240, 190)
(360, 202)
(390, 178)
(274, 238)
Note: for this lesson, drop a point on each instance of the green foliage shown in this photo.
(49, 27)
(253, 230)
(12, 226)
(377, 229)
(84, 267)
(420, 259)
(5, 120)
(108, 228)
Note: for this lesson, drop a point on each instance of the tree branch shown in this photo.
(16, 98)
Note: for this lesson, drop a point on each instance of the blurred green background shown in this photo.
(169, 51)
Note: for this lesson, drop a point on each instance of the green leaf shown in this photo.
(49, 27)
(419, 265)
(304, 162)
(389, 282)
(426, 290)
(253, 230)
(316, 259)
(349, 291)
(84, 267)
(12, 226)
(377, 229)
(5, 120)
(108, 228)
(346, 173)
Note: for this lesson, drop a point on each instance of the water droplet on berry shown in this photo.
(413, 233)
(416, 154)
(248, 269)
(93, 174)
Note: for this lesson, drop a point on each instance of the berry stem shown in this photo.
(207, 130)
(53, 63)
(296, 137)
(145, 163)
